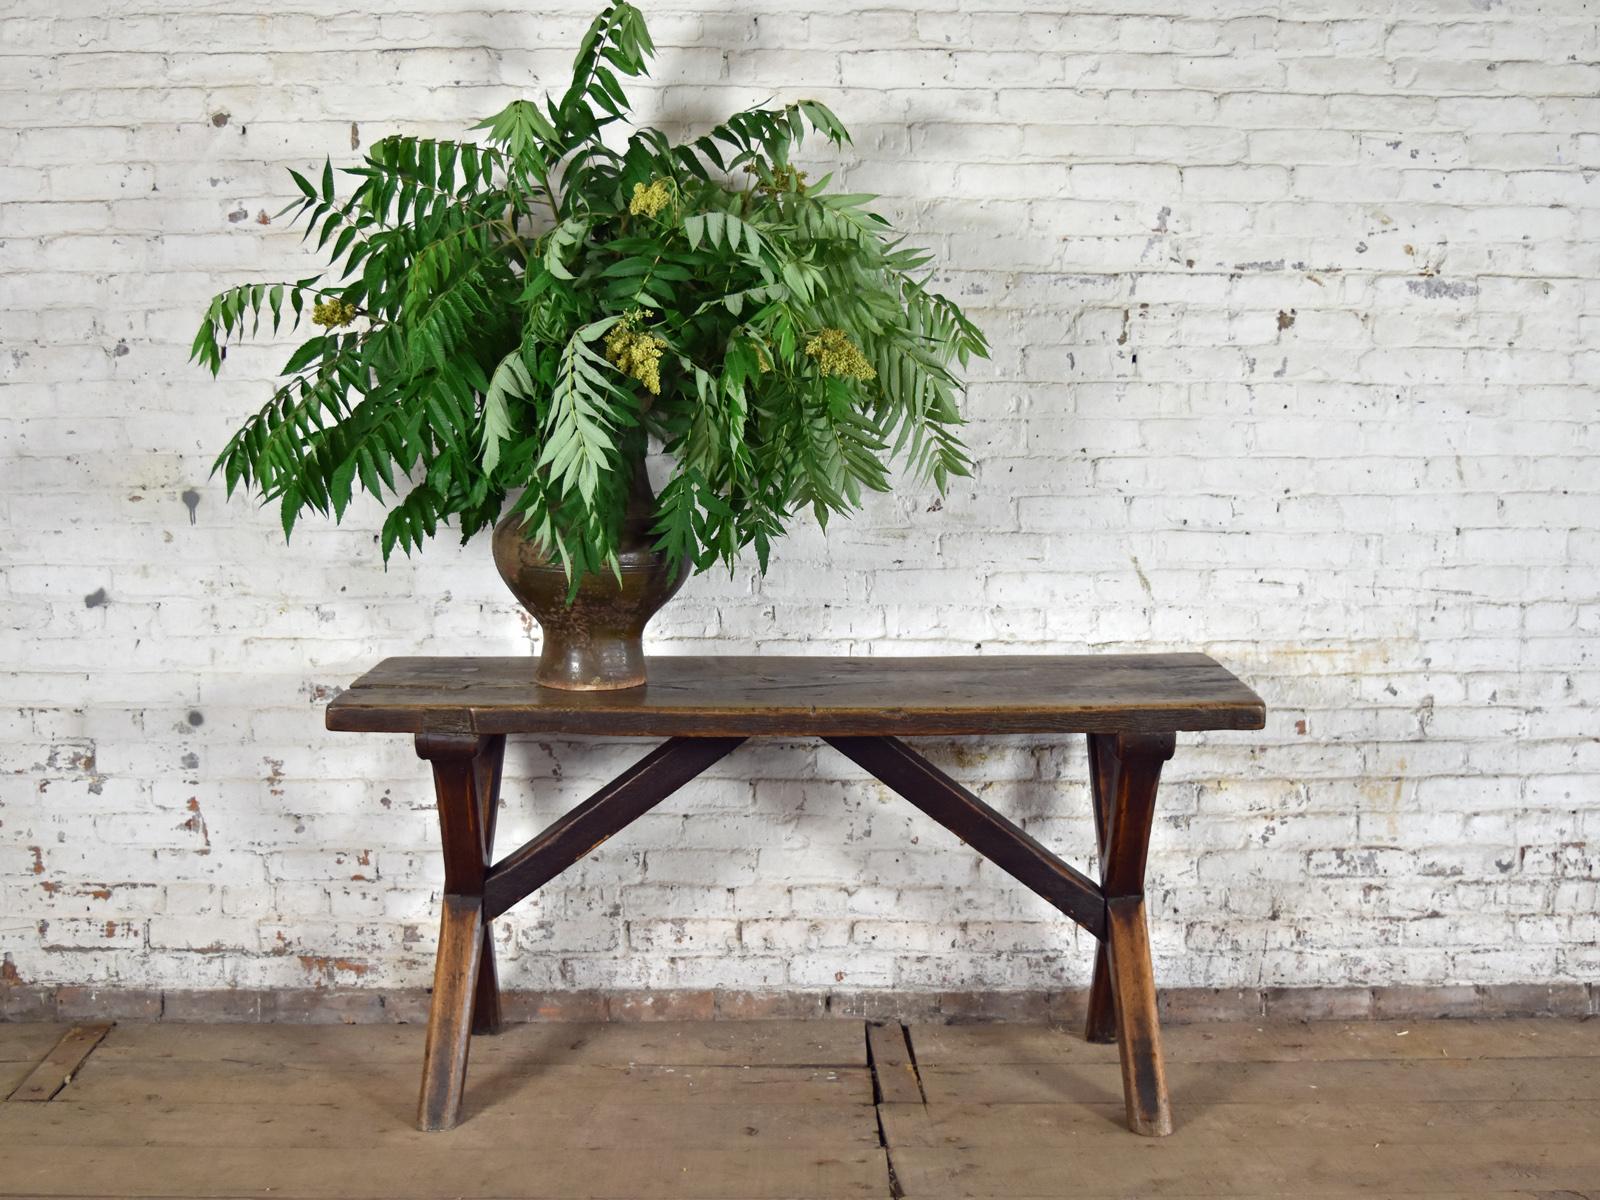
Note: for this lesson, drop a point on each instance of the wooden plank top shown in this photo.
(795, 696)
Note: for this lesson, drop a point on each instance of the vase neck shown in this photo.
(640, 513)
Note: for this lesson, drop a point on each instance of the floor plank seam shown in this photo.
(872, 1066)
(911, 1056)
(58, 1068)
(896, 1191)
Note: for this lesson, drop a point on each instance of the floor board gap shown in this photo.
(872, 1069)
(911, 1056)
(896, 1191)
(52, 1075)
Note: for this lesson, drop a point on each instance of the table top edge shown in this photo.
(356, 717)
(378, 701)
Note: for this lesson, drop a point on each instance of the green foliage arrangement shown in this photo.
(527, 313)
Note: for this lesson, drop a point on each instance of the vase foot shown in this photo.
(604, 664)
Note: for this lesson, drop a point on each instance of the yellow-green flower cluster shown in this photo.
(333, 313)
(837, 355)
(648, 201)
(635, 353)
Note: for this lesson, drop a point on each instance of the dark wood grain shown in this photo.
(1021, 856)
(738, 696)
(487, 768)
(621, 802)
(1144, 1070)
(466, 991)
(1101, 1023)
(1137, 776)
(455, 973)
(461, 816)
(1134, 778)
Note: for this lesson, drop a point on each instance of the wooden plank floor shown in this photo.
(1443, 1110)
(22, 1048)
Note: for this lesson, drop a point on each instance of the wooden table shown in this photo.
(1130, 706)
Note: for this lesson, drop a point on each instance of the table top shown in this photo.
(809, 696)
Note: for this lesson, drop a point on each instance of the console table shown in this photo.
(1130, 706)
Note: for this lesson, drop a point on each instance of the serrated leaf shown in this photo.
(511, 380)
(579, 443)
(309, 351)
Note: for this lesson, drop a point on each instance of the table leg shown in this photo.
(1101, 1025)
(444, 1057)
(464, 768)
(1126, 842)
(487, 770)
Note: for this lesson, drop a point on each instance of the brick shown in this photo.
(88, 1003)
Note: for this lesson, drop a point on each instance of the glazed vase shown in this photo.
(595, 643)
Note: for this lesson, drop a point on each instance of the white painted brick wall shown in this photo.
(1296, 312)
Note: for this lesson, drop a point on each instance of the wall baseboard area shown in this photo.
(1179, 1006)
